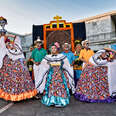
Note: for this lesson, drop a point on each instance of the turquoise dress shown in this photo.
(56, 89)
(58, 78)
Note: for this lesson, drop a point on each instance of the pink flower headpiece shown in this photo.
(57, 44)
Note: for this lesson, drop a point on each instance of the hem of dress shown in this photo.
(83, 98)
(17, 97)
(56, 101)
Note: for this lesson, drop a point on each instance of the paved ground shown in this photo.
(75, 108)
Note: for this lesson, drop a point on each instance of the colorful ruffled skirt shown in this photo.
(15, 81)
(93, 85)
(57, 88)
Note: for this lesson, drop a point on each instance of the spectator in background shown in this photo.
(30, 63)
(69, 54)
(85, 53)
(77, 63)
(37, 56)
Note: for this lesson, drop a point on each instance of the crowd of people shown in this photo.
(89, 76)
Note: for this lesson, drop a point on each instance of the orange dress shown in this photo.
(86, 54)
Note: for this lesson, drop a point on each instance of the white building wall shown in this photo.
(112, 26)
(99, 31)
(26, 43)
(98, 26)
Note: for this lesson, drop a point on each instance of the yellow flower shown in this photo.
(77, 41)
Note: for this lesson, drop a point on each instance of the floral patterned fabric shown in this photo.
(57, 88)
(93, 85)
(15, 81)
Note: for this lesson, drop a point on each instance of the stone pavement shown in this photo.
(2, 103)
(75, 108)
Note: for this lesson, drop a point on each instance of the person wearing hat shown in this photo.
(85, 53)
(37, 56)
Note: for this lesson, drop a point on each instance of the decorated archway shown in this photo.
(60, 31)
